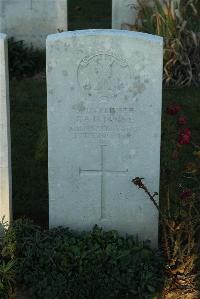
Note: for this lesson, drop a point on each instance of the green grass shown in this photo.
(28, 120)
(30, 175)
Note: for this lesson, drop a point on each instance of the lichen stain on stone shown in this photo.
(130, 89)
(50, 68)
(51, 91)
(112, 111)
(79, 107)
(126, 98)
(65, 73)
(140, 88)
(66, 47)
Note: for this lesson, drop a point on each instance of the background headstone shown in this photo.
(126, 12)
(5, 161)
(123, 11)
(32, 20)
(104, 122)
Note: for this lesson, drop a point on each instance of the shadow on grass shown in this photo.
(30, 174)
(92, 14)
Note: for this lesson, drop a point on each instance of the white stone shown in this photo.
(104, 123)
(123, 11)
(32, 20)
(5, 160)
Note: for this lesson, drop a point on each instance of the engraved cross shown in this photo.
(102, 173)
(31, 4)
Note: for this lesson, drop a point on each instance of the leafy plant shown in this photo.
(63, 264)
(179, 200)
(191, 11)
(7, 267)
(180, 229)
(7, 279)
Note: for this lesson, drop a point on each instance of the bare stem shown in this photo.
(139, 183)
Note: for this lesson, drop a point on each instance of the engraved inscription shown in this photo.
(103, 122)
(102, 172)
(103, 75)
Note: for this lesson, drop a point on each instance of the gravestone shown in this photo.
(5, 161)
(126, 12)
(123, 11)
(32, 20)
(104, 119)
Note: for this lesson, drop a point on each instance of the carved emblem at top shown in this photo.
(103, 75)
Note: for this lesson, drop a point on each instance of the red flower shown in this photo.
(184, 136)
(173, 109)
(182, 120)
(186, 193)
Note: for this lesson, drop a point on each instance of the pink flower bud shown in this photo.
(186, 193)
(182, 120)
(184, 136)
(173, 109)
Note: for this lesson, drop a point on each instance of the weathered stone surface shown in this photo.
(32, 20)
(5, 161)
(104, 118)
(123, 11)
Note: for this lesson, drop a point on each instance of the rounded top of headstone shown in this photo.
(3, 36)
(106, 32)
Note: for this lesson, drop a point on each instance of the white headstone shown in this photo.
(104, 122)
(126, 12)
(123, 11)
(32, 20)
(5, 161)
